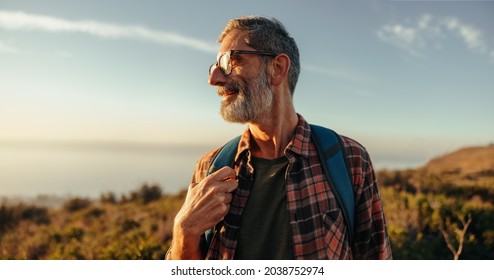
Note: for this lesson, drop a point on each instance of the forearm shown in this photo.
(180, 252)
(184, 246)
(185, 243)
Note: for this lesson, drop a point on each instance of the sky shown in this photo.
(410, 80)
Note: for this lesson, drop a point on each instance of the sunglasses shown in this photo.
(224, 64)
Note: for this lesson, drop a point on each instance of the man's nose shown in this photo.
(216, 78)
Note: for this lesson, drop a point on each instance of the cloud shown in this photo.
(402, 37)
(22, 21)
(430, 31)
(472, 37)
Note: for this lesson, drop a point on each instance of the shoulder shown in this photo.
(352, 148)
(359, 165)
(357, 156)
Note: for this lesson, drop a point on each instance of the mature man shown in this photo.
(269, 206)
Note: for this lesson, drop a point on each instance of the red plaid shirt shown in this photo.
(317, 222)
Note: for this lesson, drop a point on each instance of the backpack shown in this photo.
(331, 154)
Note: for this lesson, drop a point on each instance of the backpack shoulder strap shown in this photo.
(333, 160)
(224, 157)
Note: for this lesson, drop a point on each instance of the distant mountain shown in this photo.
(465, 162)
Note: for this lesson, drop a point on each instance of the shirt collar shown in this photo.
(301, 141)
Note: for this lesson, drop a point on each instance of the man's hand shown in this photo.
(206, 204)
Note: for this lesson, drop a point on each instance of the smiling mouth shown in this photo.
(226, 93)
(229, 97)
(228, 90)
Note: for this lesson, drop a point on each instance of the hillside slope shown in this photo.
(465, 162)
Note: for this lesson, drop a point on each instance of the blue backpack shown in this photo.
(333, 161)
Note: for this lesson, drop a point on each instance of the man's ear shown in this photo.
(280, 66)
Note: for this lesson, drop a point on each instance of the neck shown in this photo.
(271, 135)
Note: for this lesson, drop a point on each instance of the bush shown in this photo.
(147, 194)
(39, 215)
(108, 198)
(7, 218)
(76, 204)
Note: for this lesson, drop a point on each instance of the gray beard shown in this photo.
(250, 106)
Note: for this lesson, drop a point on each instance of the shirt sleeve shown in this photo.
(371, 239)
(202, 166)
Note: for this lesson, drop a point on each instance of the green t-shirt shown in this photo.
(265, 231)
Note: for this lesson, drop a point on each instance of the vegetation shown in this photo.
(443, 210)
(137, 226)
(431, 219)
(432, 213)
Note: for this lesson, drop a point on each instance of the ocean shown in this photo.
(92, 169)
(89, 170)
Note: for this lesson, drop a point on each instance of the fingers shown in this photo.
(208, 201)
(223, 180)
(229, 186)
(224, 174)
(228, 198)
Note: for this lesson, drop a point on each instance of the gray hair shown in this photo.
(267, 35)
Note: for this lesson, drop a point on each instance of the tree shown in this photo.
(454, 235)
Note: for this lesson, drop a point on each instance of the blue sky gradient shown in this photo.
(408, 79)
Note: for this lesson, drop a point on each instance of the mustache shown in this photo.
(231, 87)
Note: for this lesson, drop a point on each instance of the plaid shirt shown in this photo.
(317, 222)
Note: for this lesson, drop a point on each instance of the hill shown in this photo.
(466, 167)
(469, 161)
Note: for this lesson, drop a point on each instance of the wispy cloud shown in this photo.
(470, 35)
(23, 21)
(429, 31)
(402, 37)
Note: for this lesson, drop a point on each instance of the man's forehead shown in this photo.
(235, 40)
